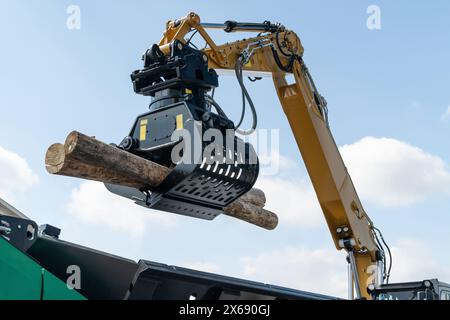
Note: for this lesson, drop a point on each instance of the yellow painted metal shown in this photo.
(334, 188)
(143, 130)
(179, 121)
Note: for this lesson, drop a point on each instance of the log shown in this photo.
(85, 157)
(252, 214)
(56, 162)
(86, 149)
(254, 196)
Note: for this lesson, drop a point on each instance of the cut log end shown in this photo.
(54, 158)
(71, 141)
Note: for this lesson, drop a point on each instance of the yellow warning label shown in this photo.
(143, 129)
(187, 91)
(143, 133)
(179, 121)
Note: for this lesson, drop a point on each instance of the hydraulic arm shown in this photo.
(276, 50)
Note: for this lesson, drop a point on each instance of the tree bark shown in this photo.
(57, 162)
(252, 214)
(254, 196)
(85, 157)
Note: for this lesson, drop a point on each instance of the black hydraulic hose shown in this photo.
(242, 112)
(380, 247)
(188, 42)
(287, 68)
(216, 106)
(277, 38)
(246, 96)
(389, 252)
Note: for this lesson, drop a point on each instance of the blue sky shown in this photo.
(390, 83)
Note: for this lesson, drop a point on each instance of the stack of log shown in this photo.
(85, 157)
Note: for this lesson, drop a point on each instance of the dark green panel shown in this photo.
(55, 289)
(21, 278)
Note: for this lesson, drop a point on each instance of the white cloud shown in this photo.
(314, 270)
(413, 261)
(274, 164)
(294, 201)
(391, 172)
(15, 174)
(92, 203)
(386, 172)
(288, 193)
(325, 270)
(446, 115)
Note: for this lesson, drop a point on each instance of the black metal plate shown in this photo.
(103, 276)
(156, 281)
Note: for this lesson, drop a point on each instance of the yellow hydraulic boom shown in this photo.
(279, 51)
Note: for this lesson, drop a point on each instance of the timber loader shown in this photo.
(207, 175)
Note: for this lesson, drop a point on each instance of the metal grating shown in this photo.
(216, 184)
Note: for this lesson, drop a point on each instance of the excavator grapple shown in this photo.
(211, 166)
